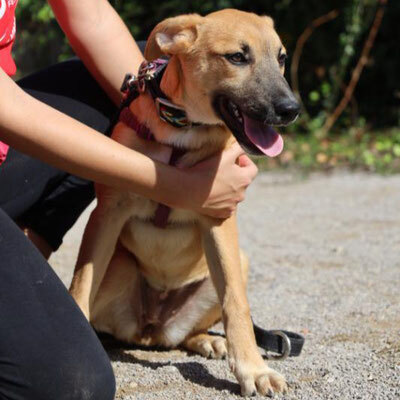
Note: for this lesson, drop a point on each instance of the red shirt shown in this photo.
(7, 37)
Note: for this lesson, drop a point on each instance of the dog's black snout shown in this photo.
(287, 109)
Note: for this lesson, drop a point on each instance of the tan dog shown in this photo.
(167, 286)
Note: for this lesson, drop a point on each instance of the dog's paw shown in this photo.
(207, 345)
(215, 347)
(259, 379)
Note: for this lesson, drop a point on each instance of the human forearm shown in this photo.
(40, 131)
(100, 39)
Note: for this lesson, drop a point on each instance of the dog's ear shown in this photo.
(173, 36)
(269, 21)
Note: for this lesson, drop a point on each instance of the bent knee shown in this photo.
(76, 379)
(97, 383)
(84, 381)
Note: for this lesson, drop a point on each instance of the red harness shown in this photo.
(160, 219)
(149, 78)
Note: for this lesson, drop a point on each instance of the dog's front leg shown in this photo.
(222, 252)
(97, 247)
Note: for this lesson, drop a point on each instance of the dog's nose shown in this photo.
(287, 109)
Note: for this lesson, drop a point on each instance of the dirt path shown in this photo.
(325, 261)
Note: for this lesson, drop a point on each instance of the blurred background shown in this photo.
(343, 64)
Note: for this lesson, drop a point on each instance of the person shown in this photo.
(51, 149)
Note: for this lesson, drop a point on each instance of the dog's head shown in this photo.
(228, 66)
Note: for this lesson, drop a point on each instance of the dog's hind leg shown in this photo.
(117, 304)
(97, 247)
(209, 346)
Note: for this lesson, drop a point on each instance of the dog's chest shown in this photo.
(169, 255)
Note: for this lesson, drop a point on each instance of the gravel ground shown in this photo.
(324, 255)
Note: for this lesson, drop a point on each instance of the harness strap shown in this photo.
(163, 211)
(161, 215)
(129, 119)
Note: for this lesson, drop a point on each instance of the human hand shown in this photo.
(220, 182)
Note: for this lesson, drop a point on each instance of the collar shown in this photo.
(149, 78)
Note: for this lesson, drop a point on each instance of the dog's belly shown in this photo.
(169, 258)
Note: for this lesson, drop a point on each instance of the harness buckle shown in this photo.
(129, 81)
(147, 76)
(286, 348)
(147, 72)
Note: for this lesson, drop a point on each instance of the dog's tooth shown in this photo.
(236, 111)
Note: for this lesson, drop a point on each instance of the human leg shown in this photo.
(47, 349)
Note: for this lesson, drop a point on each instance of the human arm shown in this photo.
(42, 132)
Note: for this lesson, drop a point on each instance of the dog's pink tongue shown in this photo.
(263, 137)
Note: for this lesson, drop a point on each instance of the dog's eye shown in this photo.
(236, 58)
(281, 59)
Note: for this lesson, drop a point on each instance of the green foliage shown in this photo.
(325, 67)
(377, 151)
(327, 61)
(40, 41)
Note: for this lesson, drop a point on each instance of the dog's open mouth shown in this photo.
(253, 135)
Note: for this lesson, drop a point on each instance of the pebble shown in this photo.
(323, 259)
